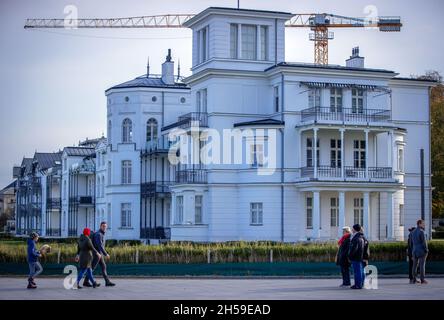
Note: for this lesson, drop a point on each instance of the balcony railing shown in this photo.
(350, 172)
(150, 189)
(155, 233)
(191, 176)
(53, 232)
(82, 200)
(53, 203)
(158, 145)
(192, 119)
(345, 114)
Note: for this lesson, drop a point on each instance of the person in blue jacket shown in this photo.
(35, 268)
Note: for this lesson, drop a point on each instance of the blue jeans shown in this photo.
(35, 268)
(358, 273)
(89, 274)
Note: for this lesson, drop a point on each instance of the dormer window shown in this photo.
(248, 42)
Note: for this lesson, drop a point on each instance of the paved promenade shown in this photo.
(202, 289)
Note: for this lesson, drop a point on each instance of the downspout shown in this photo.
(282, 161)
(140, 208)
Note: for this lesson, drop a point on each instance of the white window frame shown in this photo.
(125, 215)
(309, 212)
(127, 131)
(400, 159)
(198, 207)
(178, 219)
(249, 42)
(358, 210)
(336, 100)
(334, 212)
(126, 172)
(256, 213)
(358, 95)
(314, 98)
(401, 215)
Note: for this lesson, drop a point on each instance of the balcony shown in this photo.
(191, 176)
(53, 203)
(190, 120)
(82, 200)
(350, 173)
(161, 145)
(155, 233)
(345, 115)
(157, 188)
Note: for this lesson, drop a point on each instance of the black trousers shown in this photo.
(102, 263)
(345, 272)
(410, 268)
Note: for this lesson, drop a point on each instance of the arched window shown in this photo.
(151, 130)
(127, 131)
(109, 131)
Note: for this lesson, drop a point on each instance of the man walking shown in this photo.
(420, 251)
(98, 240)
(410, 254)
(356, 256)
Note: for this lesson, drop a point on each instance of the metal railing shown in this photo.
(53, 203)
(345, 114)
(191, 176)
(158, 145)
(155, 233)
(53, 232)
(149, 189)
(82, 200)
(350, 172)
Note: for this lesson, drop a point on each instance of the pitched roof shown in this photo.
(9, 186)
(47, 160)
(262, 122)
(79, 151)
(26, 164)
(149, 82)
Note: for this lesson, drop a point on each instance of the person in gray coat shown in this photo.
(419, 252)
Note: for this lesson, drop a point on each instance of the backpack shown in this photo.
(366, 253)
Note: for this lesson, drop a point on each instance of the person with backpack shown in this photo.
(35, 268)
(98, 240)
(358, 255)
(342, 256)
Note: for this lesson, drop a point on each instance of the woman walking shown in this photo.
(342, 256)
(85, 251)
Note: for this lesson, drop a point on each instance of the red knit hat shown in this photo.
(86, 232)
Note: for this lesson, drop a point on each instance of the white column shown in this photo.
(390, 215)
(366, 221)
(239, 41)
(315, 153)
(342, 130)
(390, 150)
(341, 222)
(366, 153)
(258, 42)
(301, 151)
(316, 215)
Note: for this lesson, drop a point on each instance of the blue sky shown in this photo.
(52, 82)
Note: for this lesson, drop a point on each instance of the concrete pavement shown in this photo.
(223, 289)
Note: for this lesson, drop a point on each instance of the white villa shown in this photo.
(346, 141)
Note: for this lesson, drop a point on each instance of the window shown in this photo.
(276, 98)
(335, 100)
(256, 213)
(233, 41)
(249, 42)
(109, 173)
(358, 210)
(401, 215)
(400, 159)
(179, 210)
(108, 216)
(335, 153)
(125, 221)
(201, 100)
(126, 172)
(109, 132)
(359, 153)
(202, 44)
(264, 43)
(309, 209)
(357, 101)
(309, 153)
(198, 210)
(127, 131)
(257, 154)
(334, 212)
(151, 130)
(314, 98)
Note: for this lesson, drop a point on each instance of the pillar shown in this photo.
(314, 151)
(366, 153)
(390, 215)
(316, 215)
(366, 220)
(342, 130)
(341, 222)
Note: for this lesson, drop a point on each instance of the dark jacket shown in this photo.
(98, 240)
(420, 248)
(342, 256)
(85, 250)
(358, 248)
(33, 253)
(410, 245)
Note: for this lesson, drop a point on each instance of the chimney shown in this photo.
(355, 60)
(168, 69)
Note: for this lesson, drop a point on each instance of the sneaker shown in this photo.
(355, 287)
(31, 286)
(96, 284)
(87, 284)
(424, 282)
(110, 284)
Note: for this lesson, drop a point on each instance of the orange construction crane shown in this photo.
(319, 23)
